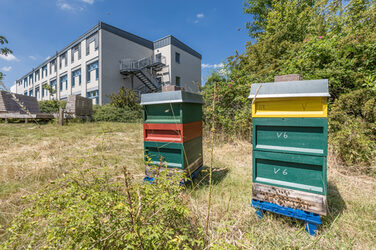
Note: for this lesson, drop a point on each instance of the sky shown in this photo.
(36, 29)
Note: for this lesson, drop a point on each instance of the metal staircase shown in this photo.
(145, 70)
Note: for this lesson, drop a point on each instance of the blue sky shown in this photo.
(37, 29)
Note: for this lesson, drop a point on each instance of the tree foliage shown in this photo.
(4, 51)
(317, 39)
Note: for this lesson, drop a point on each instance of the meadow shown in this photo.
(32, 157)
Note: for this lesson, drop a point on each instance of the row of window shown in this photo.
(63, 59)
(76, 76)
(90, 94)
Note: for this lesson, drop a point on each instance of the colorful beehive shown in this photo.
(290, 140)
(173, 131)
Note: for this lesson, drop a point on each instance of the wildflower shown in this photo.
(229, 85)
(306, 39)
(320, 37)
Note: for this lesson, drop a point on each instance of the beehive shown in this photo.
(290, 131)
(173, 130)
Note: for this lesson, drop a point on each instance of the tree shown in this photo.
(260, 9)
(3, 51)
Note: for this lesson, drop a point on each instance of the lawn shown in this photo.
(33, 156)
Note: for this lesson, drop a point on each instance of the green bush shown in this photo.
(111, 113)
(51, 106)
(352, 121)
(89, 209)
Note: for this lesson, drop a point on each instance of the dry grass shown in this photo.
(32, 157)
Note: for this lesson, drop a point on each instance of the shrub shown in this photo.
(111, 113)
(88, 209)
(352, 127)
(127, 99)
(51, 106)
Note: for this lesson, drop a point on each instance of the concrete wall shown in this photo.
(166, 52)
(114, 49)
(189, 70)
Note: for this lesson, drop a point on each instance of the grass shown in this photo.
(32, 157)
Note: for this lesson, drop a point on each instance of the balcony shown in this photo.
(129, 66)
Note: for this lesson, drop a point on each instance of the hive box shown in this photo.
(172, 132)
(290, 99)
(290, 140)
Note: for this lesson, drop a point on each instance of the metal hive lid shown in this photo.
(307, 88)
(171, 97)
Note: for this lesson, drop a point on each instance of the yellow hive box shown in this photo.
(290, 107)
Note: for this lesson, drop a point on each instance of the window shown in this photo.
(63, 57)
(53, 84)
(91, 67)
(25, 93)
(76, 48)
(31, 93)
(30, 79)
(53, 64)
(93, 95)
(76, 74)
(37, 92)
(25, 83)
(37, 75)
(177, 81)
(44, 71)
(63, 79)
(177, 57)
(89, 40)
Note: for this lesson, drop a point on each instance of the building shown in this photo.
(105, 58)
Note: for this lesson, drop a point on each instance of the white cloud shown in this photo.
(33, 58)
(64, 6)
(9, 57)
(198, 17)
(88, 1)
(212, 66)
(6, 69)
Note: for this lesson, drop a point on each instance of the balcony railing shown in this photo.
(135, 65)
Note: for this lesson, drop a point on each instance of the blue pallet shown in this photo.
(151, 180)
(312, 220)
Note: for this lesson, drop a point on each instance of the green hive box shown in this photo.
(177, 107)
(172, 107)
(187, 155)
(307, 136)
(172, 113)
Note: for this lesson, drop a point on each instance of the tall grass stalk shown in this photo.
(211, 161)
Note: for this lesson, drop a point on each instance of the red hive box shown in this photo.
(172, 132)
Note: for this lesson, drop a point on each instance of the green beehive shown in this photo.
(160, 110)
(290, 146)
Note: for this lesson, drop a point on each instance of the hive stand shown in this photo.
(312, 220)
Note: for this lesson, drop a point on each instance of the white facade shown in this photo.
(90, 66)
